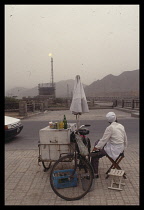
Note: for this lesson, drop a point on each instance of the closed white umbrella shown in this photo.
(79, 102)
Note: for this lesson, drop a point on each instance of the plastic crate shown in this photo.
(62, 178)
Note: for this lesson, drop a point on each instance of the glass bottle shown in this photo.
(65, 122)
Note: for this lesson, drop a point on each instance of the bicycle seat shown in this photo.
(83, 131)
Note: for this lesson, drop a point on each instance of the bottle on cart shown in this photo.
(61, 125)
(51, 124)
(65, 122)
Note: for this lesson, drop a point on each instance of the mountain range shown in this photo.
(125, 84)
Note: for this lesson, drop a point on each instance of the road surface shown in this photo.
(29, 136)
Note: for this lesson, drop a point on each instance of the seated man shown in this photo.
(113, 142)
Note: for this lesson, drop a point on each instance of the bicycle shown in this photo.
(72, 175)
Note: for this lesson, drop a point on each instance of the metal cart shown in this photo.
(54, 143)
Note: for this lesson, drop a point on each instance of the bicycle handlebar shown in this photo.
(84, 126)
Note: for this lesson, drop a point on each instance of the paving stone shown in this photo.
(27, 184)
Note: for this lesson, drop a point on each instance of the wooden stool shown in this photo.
(115, 164)
(119, 174)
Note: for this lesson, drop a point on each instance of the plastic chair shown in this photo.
(116, 174)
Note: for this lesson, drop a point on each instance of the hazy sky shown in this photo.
(90, 40)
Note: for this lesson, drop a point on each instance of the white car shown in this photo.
(13, 127)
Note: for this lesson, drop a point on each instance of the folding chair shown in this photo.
(115, 164)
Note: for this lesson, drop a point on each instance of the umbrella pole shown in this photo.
(78, 121)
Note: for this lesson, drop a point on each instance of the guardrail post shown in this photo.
(92, 102)
(33, 106)
(23, 108)
(137, 104)
(42, 107)
(122, 103)
(68, 103)
(46, 104)
(114, 103)
(132, 103)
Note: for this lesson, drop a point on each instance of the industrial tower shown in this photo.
(47, 90)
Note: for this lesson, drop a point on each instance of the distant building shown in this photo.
(46, 90)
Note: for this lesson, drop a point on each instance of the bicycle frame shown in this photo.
(77, 153)
(79, 174)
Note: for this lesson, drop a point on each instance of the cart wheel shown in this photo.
(46, 165)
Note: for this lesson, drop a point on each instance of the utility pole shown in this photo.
(52, 77)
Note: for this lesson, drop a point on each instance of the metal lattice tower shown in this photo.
(52, 77)
(48, 89)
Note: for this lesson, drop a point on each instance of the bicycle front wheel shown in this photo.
(71, 177)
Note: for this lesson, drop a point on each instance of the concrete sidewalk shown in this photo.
(27, 184)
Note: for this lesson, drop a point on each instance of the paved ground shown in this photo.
(27, 184)
(92, 115)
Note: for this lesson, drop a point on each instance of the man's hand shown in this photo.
(94, 149)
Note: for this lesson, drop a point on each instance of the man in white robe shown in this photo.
(113, 142)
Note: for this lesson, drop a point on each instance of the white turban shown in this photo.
(111, 117)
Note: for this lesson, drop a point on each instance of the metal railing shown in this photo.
(32, 106)
(127, 103)
(12, 106)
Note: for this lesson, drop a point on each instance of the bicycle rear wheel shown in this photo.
(71, 181)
